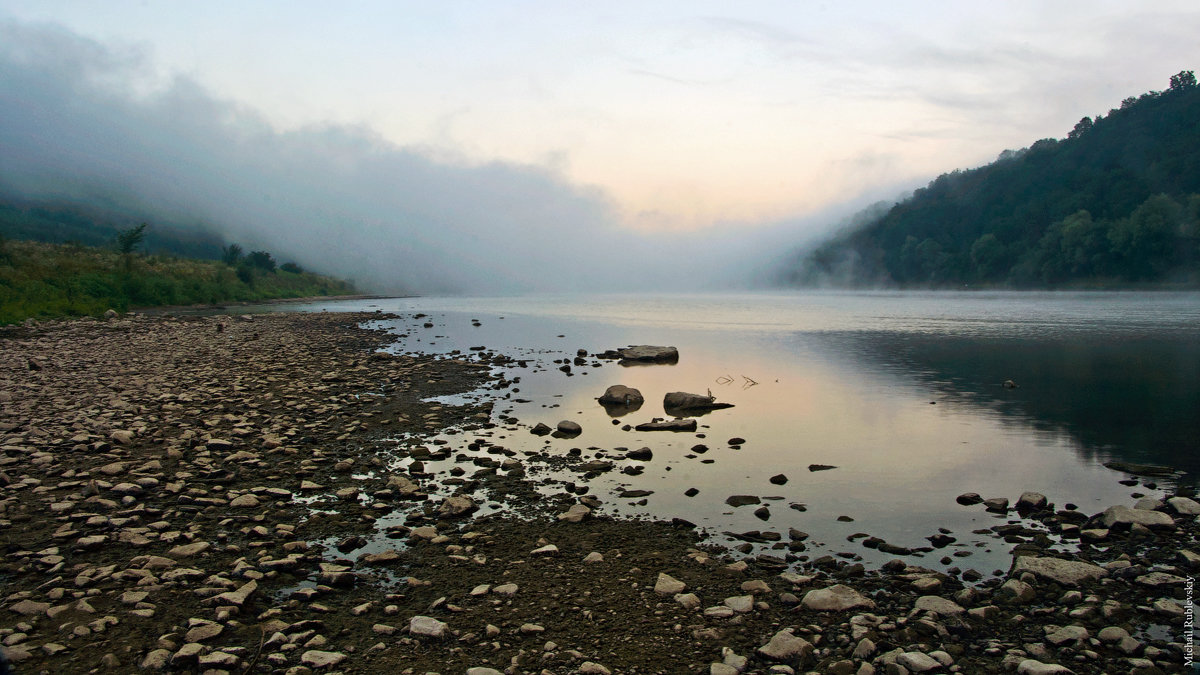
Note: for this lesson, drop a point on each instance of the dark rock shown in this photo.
(682, 401)
(969, 499)
(641, 454)
(742, 500)
(820, 467)
(779, 479)
(668, 425)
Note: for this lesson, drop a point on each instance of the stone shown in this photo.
(668, 585)
(1035, 667)
(156, 660)
(1065, 572)
(1124, 516)
(722, 669)
(1016, 592)
(548, 549)
(1112, 634)
(649, 353)
(620, 395)
(480, 670)
(575, 514)
(218, 660)
(1184, 506)
(1157, 579)
(918, 662)
(641, 454)
(996, 504)
(933, 603)
(187, 653)
(318, 659)
(969, 499)
(28, 607)
(688, 424)
(740, 603)
(456, 506)
(688, 600)
(569, 428)
(236, 598)
(383, 557)
(683, 401)
(204, 631)
(784, 646)
(1066, 634)
(837, 598)
(742, 500)
(1029, 501)
(189, 550)
(245, 501)
(427, 626)
(592, 668)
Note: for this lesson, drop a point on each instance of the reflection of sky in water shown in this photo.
(845, 380)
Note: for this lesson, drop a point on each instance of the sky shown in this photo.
(616, 127)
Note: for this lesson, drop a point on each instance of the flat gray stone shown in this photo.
(1066, 572)
(933, 603)
(837, 598)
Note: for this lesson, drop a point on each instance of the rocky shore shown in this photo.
(209, 494)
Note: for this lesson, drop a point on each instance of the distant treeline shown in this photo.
(1115, 203)
(43, 280)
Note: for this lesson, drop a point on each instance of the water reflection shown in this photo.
(1135, 398)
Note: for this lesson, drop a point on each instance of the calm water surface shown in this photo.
(902, 392)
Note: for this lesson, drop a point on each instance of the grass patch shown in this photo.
(42, 280)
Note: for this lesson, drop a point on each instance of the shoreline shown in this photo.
(178, 496)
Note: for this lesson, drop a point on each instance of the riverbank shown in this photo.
(188, 494)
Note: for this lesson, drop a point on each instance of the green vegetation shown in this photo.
(44, 280)
(1116, 203)
(63, 222)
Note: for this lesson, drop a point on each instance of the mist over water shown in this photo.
(90, 123)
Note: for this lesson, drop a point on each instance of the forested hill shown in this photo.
(1115, 203)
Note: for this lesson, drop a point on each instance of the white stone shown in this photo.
(785, 646)
(918, 662)
(835, 598)
(318, 659)
(1035, 667)
(668, 585)
(427, 626)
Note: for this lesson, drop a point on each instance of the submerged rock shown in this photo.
(680, 400)
(668, 425)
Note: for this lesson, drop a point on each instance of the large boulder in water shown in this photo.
(680, 400)
(619, 394)
(620, 400)
(649, 354)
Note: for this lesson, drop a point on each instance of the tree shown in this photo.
(129, 240)
(291, 267)
(262, 260)
(231, 255)
(1185, 79)
(1144, 241)
(1082, 127)
(987, 254)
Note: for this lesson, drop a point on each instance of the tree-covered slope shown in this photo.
(1117, 202)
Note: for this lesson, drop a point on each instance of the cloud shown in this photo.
(84, 121)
